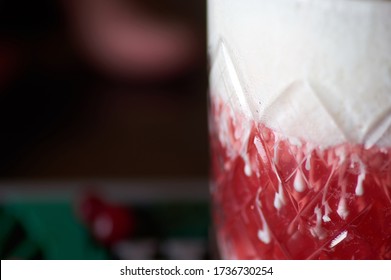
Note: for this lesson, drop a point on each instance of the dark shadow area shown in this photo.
(104, 99)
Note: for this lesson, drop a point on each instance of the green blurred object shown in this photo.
(181, 220)
(49, 228)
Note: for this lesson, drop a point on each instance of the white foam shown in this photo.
(313, 70)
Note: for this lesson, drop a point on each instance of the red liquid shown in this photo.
(274, 199)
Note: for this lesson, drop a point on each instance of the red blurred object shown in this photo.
(126, 41)
(108, 222)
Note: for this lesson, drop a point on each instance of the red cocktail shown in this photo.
(300, 128)
(281, 199)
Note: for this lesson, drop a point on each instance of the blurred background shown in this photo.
(103, 142)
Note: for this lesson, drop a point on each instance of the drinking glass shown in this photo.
(300, 128)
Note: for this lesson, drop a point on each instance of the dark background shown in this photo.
(66, 115)
(103, 129)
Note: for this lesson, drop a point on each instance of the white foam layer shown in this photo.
(319, 70)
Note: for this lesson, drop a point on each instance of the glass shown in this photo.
(300, 128)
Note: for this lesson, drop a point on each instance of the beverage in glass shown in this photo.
(300, 128)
